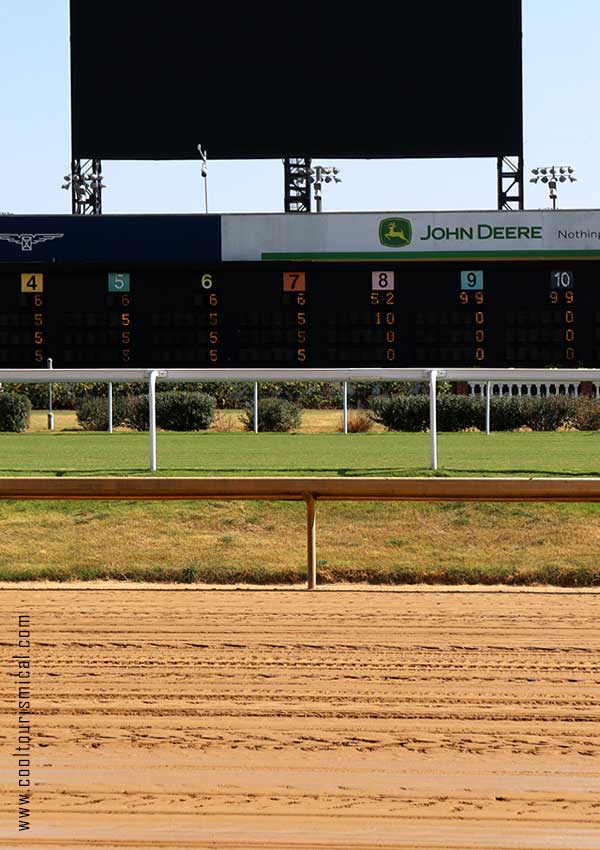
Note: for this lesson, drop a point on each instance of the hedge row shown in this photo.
(456, 413)
(174, 412)
(227, 394)
(274, 414)
(194, 411)
(182, 412)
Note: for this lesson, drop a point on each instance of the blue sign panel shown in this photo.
(110, 238)
(471, 280)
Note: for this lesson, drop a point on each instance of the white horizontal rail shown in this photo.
(430, 375)
(372, 374)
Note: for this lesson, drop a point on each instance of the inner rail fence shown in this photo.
(486, 382)
(308, 490)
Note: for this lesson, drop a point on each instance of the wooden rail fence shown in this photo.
(309, 490)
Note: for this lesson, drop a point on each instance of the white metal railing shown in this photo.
(478, 377)
(462, 374)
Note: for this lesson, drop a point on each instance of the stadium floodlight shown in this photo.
(316, 177)
(322, 175)
(552, 175)
(204, 174)
(83, 182)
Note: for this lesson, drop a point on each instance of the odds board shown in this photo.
(509, 313)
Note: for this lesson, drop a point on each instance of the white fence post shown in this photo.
(255, 403)
(50, 411)
(152, 417)
(110, 407)
(345, 407)
(433, 417)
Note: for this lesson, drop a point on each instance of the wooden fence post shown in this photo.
(311, 540)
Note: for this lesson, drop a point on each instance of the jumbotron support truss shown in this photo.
(296, 184)
(86, 186)
(510, 183)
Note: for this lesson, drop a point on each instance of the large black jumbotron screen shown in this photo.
(151, 79)
(323, 315)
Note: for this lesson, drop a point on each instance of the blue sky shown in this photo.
(561, 119)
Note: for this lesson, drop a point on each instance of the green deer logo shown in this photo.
(395, 232)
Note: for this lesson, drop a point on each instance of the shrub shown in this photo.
(363, 393)
(359, 421)
(185, 411)
(412, 413)
(225, 424)
(189, 575)
(539, 414)
(510, 412)
(15, 410)
(274, 414)
(138, 415)
(587, 415)
(92, 412)
(552, 412)
(402, 412)
(64, 396)
(318, 395)
(175, 411)
(227, 394)
(457, 412)
(460, 412)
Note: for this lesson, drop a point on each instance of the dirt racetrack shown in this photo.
(289, 720)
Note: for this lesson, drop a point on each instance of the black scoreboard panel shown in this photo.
(515, 313)
(419, 79)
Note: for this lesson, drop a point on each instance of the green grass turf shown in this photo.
(265, 542)
(393, 454)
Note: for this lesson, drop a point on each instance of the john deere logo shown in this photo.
(395, 232)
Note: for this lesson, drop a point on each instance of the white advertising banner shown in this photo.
(443, 235)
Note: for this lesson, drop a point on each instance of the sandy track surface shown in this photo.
(291, 720)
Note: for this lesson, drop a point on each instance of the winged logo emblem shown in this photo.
(28, 240)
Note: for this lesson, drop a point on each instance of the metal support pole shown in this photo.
(152, 418)
(311, 541)
(255, 403)
(510, 182)
(488, 407)
(433, 417)
(204, 173)
(345, 407)
(296, 186)
(319, 188)
(50, 412)
(110, 408)
(85, 182)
